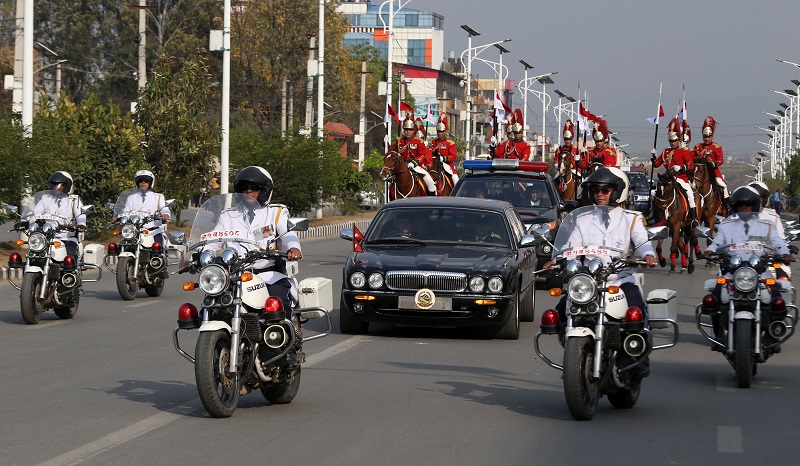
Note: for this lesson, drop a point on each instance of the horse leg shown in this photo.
(673, 251)
(661, 260)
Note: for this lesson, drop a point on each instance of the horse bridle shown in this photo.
(393, 172)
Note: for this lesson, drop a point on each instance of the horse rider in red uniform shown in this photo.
(711, 152)
(566, 148)
(421, 133)
(602, 153)
(445, 148)
(515, 147)
(679, 161)
(415, 153)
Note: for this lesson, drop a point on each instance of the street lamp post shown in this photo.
(524, 86)
(472, 53)
(527, 66)
(501, 85)
(544, 81)
(560, 109)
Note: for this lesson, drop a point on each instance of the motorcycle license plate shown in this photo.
(410, 302)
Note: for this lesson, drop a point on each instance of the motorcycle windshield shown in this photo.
(129, 203)
(223, 219)
(577, 236)
(52, 206)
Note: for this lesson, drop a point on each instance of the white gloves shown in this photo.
(411, 165)
(676, 168)
(577, 157)
(653, 151)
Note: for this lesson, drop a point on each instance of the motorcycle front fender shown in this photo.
(747, 315)
(579, 332)
(126, 254)
(33, 269)
(214, 325)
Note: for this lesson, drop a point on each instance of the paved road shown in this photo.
(108, 388)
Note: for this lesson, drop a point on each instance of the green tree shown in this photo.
(179, 145)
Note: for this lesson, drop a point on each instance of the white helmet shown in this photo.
(61, 178)
(608, 176)
(144, 175)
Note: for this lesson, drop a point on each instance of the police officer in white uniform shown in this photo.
(61, 202)
(742, 227)
(150, 202)
(769, 214)
(608, 186)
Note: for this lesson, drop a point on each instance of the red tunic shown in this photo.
(607, 156)
(512, 149)
(413, 149)
(671, 157)
(447, 149)
(710, 153)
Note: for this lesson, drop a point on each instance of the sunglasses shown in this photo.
(251, 187)
(602, 190)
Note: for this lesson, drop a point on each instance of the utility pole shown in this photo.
(27, 69)
(283, 107)
(142, 44)
(362, 117)
(321, 71)
(310, 86)
(16, 105)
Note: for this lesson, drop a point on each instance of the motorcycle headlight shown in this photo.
(358, 280)
(207, 258)
(213, 280)
(375, 281)
(581, 288)
(136, 219)
(129, 231)
(595, 265)
(229, 256)
(573, 266)
(495, 285)
(745, 279)
(37, 242)
(477, 284)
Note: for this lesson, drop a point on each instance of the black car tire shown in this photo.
(348, 324)
(510, 329)
(526, 308)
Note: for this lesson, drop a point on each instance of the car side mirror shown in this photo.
(530, 240)
(346, 233)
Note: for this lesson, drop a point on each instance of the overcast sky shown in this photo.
(723, 51)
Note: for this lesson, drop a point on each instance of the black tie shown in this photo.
(144, 196)
(606, 219)
(250, 215)
(746, 228)
(58, 203)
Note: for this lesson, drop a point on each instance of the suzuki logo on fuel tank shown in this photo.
(256, 287)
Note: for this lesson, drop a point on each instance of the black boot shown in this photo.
(431, 193)
(727, 202)
(693, 216)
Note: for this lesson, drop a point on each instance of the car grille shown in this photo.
(410, 280)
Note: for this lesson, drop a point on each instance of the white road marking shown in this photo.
(144, 426)
(729, 439)
(49, 323)
(146, 302)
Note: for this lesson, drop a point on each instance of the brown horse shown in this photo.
(402, 182)
(709, 197)
(567, 185)
(442, 179)
(671, 209)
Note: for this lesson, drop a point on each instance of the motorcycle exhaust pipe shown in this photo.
(69, 280)
(634, 345)
(275, 336)
(156, 262)
(778, 329)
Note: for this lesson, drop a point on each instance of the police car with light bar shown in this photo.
(528, 187)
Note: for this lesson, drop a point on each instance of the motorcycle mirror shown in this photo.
(12, 209)
(298, 224)
(170, 202)
(657, 233)
(703, 232)
(177, 237)
(87, 209)
(110, 205)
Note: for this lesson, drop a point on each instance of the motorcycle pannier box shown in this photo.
(662, 304)
(94, 254)
(316, 292)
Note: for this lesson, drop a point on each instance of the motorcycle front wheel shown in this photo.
(582, 392)
(284, 393)
(126, 284)
(29, 302)
(218, 388)
(745, 359)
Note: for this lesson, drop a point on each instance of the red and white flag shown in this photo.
(405, 109)
(660, 114)
(390, 113)
(429, 117)
(500, 108)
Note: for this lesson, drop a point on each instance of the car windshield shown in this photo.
(638, 181)
(578, 232)
(519, 192)
(51, 206)
(415, 225)
(129, 203)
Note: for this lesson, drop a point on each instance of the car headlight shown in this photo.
(745, 279)
(375, 280)
(477, 284)
(213, 280)
(37, 242)
(495, 285)
(581, 288)
(357, 280)
(129, 231)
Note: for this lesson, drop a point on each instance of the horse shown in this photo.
(709, 197)
(402, 182)
(567, 185)
(672, 207)
(442, 179)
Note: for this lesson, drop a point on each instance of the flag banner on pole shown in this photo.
(660, 114)
(405, 109)
(587, 114)
(500, 108)
(430, 118)
(390, 113)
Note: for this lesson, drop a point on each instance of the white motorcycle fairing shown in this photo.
(255, 292)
